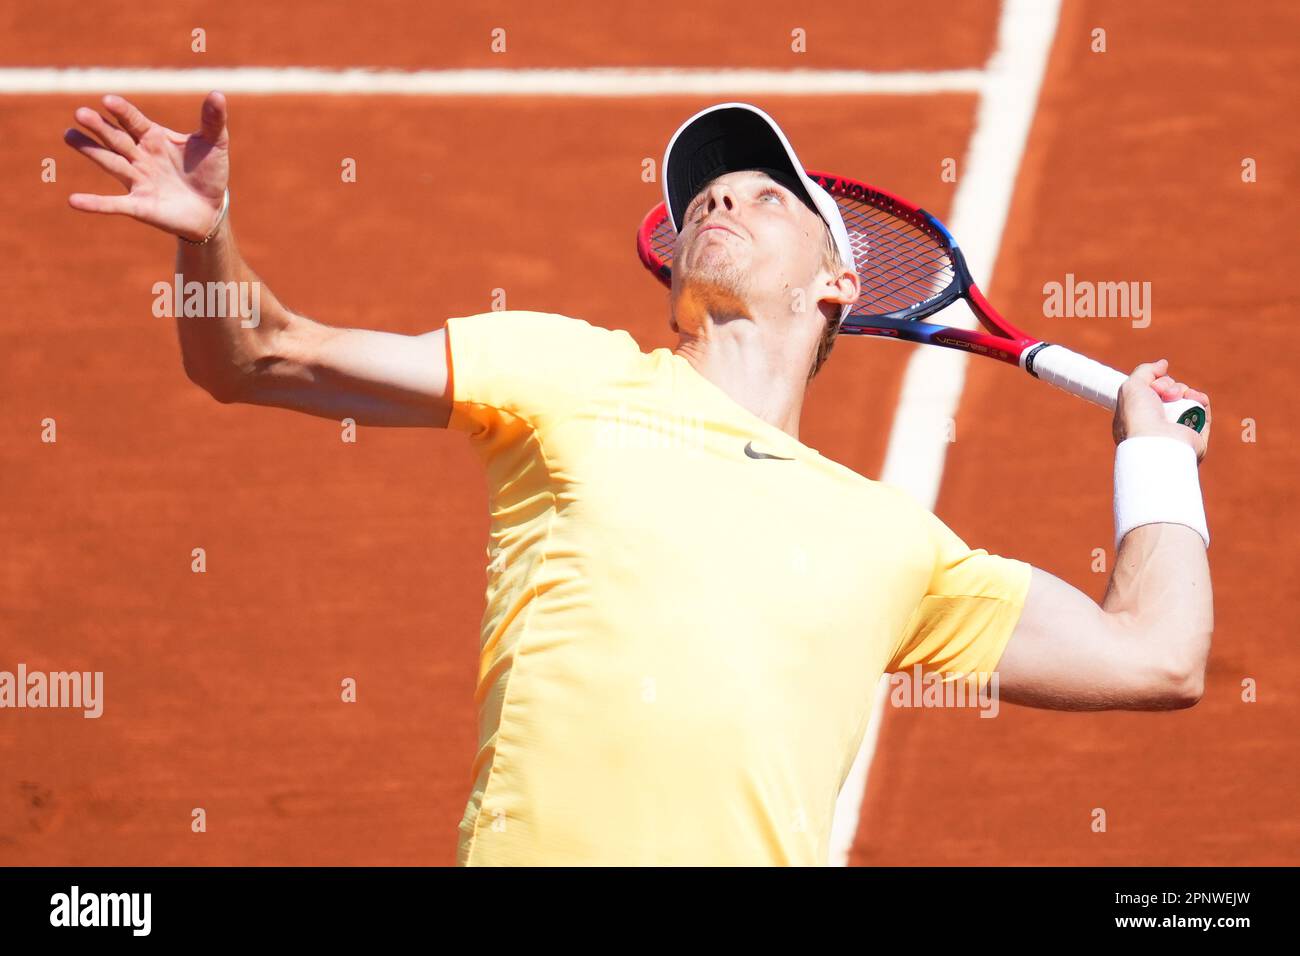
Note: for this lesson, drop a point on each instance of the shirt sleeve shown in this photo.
(515, 370)
(969, 611)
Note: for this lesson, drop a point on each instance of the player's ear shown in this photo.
(850, 284)
(844, 287)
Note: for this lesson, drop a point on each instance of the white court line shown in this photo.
(595, 81)
(932, 385)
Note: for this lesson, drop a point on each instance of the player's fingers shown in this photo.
(106, 159)
(1159, 385)
(1148, 372)
(212, 117)
(1198, 397)
(1168, 388)
(125, 112)
(108, 134)
(109, 205)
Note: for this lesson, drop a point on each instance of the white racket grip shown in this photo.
(1100, 384)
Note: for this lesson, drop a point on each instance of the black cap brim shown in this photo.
(723, 141)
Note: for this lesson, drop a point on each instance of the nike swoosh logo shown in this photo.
(749, 450)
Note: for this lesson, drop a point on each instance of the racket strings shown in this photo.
(878, 222)
(900, 264)
(663, 240)
(896, 277)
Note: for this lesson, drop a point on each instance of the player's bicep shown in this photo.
(404, 379)
(372, 377)
(1067, 653)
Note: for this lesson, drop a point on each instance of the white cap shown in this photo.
(731, 137)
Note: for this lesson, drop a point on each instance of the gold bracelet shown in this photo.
(221, 217)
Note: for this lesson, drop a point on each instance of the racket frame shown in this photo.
(1061, 367)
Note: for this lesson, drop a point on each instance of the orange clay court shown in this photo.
(327, 560)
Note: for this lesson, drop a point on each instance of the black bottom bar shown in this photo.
(932, 906)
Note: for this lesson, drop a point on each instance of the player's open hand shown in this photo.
(176, 181)
(1139, 410)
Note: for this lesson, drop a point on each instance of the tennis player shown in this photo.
(688, 610)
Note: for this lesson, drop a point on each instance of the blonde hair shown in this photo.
(831, 261)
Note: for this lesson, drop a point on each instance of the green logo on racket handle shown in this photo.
(1193, 418)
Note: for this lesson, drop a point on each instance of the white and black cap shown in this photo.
(731, 137)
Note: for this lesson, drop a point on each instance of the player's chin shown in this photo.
(726, 279)
(714, 260)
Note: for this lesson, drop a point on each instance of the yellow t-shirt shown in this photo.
(688, 610)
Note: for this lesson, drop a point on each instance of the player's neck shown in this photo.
(754, 369)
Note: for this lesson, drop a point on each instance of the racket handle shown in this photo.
(1100, 384)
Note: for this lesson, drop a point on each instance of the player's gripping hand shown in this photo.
(176, 181)
(1139, 411)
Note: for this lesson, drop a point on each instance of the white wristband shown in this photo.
(1156, 481)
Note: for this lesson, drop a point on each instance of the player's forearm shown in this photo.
(281, 359)
(223, 347)
(1161, 587)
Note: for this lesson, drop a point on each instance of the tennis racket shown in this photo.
(911, 268)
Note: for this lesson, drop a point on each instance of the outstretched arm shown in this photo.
(1145, 646)
(176, 183)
